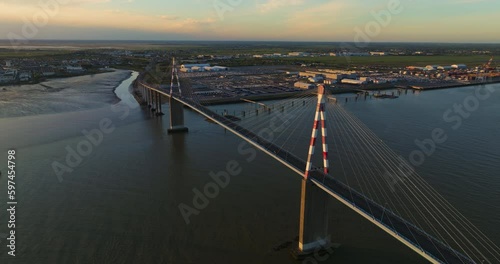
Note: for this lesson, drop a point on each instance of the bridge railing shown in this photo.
(403, 228)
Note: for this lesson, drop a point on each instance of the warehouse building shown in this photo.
(444, 68)
(352, 81)
(190, 66)
(459, 66)
(202, 68)
(303, 85)
(298, 54)
(328, 75)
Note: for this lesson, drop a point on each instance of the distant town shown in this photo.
(36, 68)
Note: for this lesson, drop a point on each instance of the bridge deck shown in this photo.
(421, 242)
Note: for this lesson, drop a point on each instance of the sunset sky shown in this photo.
(313, 20)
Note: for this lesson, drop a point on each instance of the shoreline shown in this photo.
(456, 86)
(46, 79)
(101, 94)
(117, 98)
(136, 93)
(232, 100)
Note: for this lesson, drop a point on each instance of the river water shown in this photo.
(119, 203)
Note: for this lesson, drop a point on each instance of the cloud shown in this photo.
(168, 17)
(79, 17)
(322, 19)
(271, 5)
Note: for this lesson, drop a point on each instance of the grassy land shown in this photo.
(398, 61)
(370, 61)
(10, 54)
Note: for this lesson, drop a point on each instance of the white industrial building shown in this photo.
(349, 54)
(316, 79)
(298, 54)
(352, 81)
(378, 53)
(459, 66)
(303, 85)
(431, 67)
(198, 69)
(445, 68)
(330, 81)
(189, 66)
(201, 68)
(216, 68)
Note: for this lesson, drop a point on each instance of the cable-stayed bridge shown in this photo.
(358, 169)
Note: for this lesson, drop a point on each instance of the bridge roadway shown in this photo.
(424, 244)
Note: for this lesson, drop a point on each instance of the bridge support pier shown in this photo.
(160, 111)
(153, 100)
(150, 101)
(313, 229)
(146, 94)
(176, 117)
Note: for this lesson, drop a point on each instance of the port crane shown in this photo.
(485, 71)
(487, 66)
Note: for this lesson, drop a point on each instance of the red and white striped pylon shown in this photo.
(319, 118)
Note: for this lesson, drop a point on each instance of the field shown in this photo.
(366, 62)
(11, 54)
(396, 61)
(187, 51)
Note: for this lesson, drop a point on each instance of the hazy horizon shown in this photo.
(32, 41)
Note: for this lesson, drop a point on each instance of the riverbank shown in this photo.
(62, 95)
(495, 81)
(344, 91)
(48, 78)
(136, 93)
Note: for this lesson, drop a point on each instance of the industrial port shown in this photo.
(221, 84)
